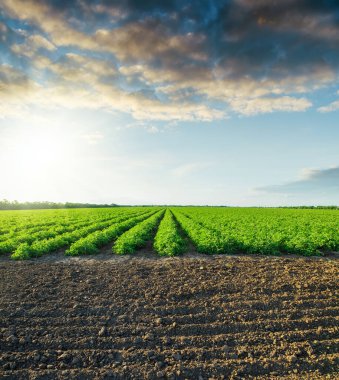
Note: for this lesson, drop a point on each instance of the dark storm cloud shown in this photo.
(324, 181)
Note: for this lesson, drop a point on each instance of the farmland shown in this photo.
(169, 293)
(193, 317)
(170, 231)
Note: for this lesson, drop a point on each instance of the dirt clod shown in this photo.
(102, 331)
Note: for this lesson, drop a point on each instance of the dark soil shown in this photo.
(195, 317)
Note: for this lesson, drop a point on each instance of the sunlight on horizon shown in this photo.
(34, 158)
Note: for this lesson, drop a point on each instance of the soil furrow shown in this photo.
(149, 318)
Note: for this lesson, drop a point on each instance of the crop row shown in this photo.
(204, 239)
(137, 236)
(168, 241)
(92, 242)
(40, 247)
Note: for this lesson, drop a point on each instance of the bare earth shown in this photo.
(195, 317)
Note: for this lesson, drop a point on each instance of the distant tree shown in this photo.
(313, 207)
(15, 205)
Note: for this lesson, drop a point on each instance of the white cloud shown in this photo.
(39, 41)
(266, 105)
(81, 83)
(334, 106)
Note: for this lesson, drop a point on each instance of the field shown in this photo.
(169, 293)
(171, 231)
(195, 317)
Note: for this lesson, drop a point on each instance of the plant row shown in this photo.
(204, 239)
(94, 241)
(168, 241)
(137, 236)
(40, 247)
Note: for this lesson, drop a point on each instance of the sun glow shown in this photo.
(36, 154)
(34, 160)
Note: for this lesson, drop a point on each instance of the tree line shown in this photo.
(15, 205)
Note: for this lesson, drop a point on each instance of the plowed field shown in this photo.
(193, 317)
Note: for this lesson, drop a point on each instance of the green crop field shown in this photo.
(173, 231)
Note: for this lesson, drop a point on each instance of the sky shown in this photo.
(229, 102)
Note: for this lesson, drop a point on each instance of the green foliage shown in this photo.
(91, 243)
(168, 241)
(204, 239)
(137, 236)
(42, 246)
(10, 244)
(272, 231)
(31, 236)
(261, 231)
(23, 252)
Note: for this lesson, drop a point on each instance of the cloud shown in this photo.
(13, 82)
(15, 88)
(3, 32)
(250, 57)
(334, 106)
(81, 68)
(77, 88)
(150, 40)
(32, 45)
(313, 181)
(49, 19)
(39, 41)
(267, 105)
